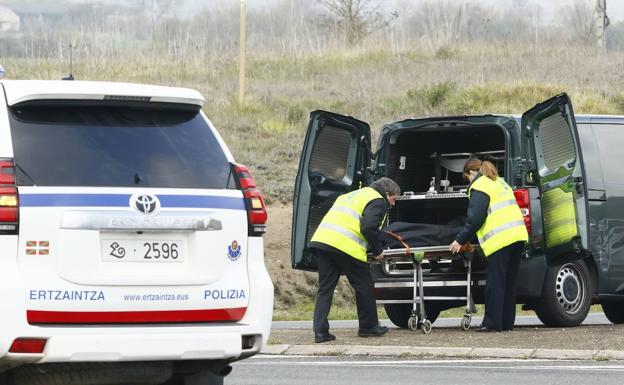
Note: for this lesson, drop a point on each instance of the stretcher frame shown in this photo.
(418, 315)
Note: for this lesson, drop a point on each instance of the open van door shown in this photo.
(558, 173)
(335, 159)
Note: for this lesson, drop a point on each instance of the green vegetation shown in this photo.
(274, 341)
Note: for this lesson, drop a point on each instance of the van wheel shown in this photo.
(399, 313)
(109, 373)
(566, 295)
(614, 311)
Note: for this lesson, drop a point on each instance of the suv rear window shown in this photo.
(117, 146)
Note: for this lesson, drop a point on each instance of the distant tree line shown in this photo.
(294, 26)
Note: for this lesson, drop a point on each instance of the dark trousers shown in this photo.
(330, 266)
(500, 287)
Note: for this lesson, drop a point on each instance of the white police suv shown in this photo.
(131, 243)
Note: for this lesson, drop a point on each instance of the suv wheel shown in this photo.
(614, 311)
(566, 295)
(399, 313)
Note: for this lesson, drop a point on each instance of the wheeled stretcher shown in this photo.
(416, 255)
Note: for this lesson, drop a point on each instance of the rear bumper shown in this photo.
(221, 341)
(198, 341)
(137, 345)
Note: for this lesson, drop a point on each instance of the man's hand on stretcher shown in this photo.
(455, 247)
(379, 257)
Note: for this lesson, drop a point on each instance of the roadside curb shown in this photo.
(447, 352)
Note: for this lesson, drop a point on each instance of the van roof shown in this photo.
(580, 118)
(591, 118)
(18, 91)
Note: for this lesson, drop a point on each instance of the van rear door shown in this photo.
(335, 159)
(559, 175)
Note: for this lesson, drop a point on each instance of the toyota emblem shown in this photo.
(145, 203)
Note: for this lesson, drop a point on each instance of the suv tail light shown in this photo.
(256, 210)
(28, 345)
(524, 201)
(9, 203)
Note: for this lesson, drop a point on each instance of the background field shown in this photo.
(488, 65)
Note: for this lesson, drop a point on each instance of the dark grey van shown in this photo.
(567, 175)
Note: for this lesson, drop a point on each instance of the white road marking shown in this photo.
(447, 364)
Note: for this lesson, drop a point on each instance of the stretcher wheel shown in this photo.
(426, 326)
(465, 323)
(412, 323)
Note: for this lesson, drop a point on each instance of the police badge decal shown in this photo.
(234, 251)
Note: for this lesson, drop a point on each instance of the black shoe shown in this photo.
(485, 329)
(323, 337)
(375, 331)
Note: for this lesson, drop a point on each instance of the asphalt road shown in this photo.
(592, 319)
(278, 370)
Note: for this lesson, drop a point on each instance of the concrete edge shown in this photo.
(448, 352)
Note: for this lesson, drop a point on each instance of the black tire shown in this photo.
(399, 313)
(566, 295)
(614, 311)
(105, 373)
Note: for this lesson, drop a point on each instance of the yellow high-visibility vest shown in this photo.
(340, 227)
(504, 223)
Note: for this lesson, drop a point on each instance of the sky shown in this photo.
(615, 8)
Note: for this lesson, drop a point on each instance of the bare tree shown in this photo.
(580, 16)
(356, 19)
(443, 23)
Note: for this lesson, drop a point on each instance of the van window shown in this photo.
(557, 143)
(610, 140)
(330, 154)
(115, 146)
(591, 158)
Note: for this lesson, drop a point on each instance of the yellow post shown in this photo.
(242, 53)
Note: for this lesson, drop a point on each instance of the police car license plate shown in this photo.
(114, 250)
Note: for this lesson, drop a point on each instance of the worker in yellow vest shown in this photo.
(494, 215)
(347, 232)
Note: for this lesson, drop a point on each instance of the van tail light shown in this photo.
(9, 201)
(256, 210)
(524, 202)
